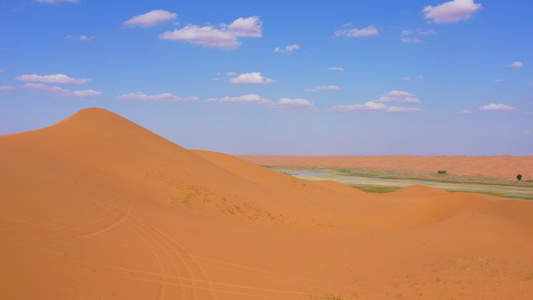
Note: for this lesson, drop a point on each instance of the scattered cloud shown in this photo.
(399, 109)
(452, 11)
(526, 132)
(287, 49)
(6, 88)
(225, 36)
(246, 27)
(466, 112)
(367, 31)
(336, 68)
(56, 78)
(374, 106)
(411, 40)
(149, 19)
(244, 99)
(80, 37)
(56, 1)
(207, 36)
(380, 106)
(516, 64)
(368, 106)
(165, 97)
(60, 92)
(399, 97)
(281, 104)
(418, 32)
(323, 88)
(288, 103)
(251, 78)
(499, 106)
(427, 32)
(406, 78)
(232, 73)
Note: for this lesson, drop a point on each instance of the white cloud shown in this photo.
(207, 36)
(419, 32)
(244, 99)
(499, 106)
(407, 32)
(399, 96)
(452, 11)
(80, 37)
(287, 49)
(380, 106)
(251, 78)
(60, 92)
(246, 27)
(406, 78)
(466, 112)
(288, 103)
(526, 132)
(150, 19)
(56, 78)
(323, 88)
(368, 106)
(336, 68)
(224, 37)
(397, 109)
(367, 31)
(427, 32)
(516, 64)
(56, 1)
(411, 40)
(374, 106)
(6, 88)
(165, 97)
(232, 74)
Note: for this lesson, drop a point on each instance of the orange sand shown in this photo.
(493, 166)
(96, 207)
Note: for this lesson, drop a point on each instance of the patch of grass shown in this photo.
(375, 188)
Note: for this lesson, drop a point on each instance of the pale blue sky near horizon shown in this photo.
(387, 77)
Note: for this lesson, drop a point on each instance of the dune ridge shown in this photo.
(97, 207)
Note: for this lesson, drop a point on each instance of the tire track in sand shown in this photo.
(184, 257)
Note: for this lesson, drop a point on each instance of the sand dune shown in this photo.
(504, 166)
(97, 207)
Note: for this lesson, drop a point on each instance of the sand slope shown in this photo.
(97, 207)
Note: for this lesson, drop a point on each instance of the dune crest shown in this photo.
(96, 207)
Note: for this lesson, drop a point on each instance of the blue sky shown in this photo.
(387, 77)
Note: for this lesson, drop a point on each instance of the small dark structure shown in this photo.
(519, 177)
(441, 172)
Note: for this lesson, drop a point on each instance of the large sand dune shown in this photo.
(96, 207)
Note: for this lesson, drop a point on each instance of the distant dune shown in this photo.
(97, 207)
(504, 166)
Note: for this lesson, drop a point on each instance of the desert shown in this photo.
(97, 207)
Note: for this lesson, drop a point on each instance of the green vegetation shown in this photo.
(375, 188)
(386, 181)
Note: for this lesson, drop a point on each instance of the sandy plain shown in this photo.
(504, 166)
(97, 207)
